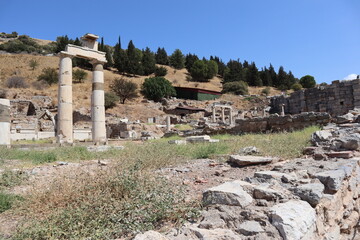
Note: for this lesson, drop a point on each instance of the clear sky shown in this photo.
(316, 37)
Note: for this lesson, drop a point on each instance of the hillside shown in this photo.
(18, 65)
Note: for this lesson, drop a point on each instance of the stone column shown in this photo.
(214, 114)
(4, 122)
(65, 109)
(168, 127)
(223, 114)
(282, 110)
(231, 117)
(97, 104)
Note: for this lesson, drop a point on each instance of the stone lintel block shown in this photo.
(343, 154)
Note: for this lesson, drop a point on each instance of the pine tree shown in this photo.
(253, 76)
(148, 61)
(77, 42)
(161, 57)
(190, 59)
(234, 72)
(134, 57)
(282, 77)
(273, 76)
(177, 59)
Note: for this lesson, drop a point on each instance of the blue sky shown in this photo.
(316, 37)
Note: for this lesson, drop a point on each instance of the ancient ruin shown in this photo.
(4, 122)
(88, 51)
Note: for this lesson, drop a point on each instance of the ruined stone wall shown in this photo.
(336, 99)
(275, 123)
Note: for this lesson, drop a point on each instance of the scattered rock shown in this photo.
(344, 154)
(229, 193)
(177, 142)
(321, 136)
(273, 175)
(215, 234)
(294, 219)
(103, 148)
(249, 160)
(347, 118)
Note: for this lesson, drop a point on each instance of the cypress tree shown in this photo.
(273, 76)
(134, 57)
(161, 57)
(253, 76)
(148, 61)
(281, 80)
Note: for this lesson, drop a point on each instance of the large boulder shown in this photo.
(294, 219)
(331, 179)
(229, 193)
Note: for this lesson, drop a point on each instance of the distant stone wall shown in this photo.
(336, 99)
(275, 123)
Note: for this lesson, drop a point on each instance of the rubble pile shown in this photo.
(303, 198)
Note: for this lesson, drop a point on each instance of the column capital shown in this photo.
(95, 62)
(66, 54)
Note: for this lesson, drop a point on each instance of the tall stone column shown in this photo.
(97, 104)
(231, 117)
(4, 122)
(168, 124)
(214, 114)
(223, 114)
(65, 109)
(282, 109)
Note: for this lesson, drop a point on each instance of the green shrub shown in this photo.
(16, 82)
(157, 88)
(33, 64)
(160, 72)
(49, 75)
(79, 75)
(110, 100)
(238, 87)
(266, 91)
(7, 201)
(296, 87)
(10, 178)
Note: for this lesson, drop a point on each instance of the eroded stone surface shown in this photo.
(249, 160)
(312, 192)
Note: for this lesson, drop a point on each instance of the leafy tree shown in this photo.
(296, 87)
(33, 64)
(177, 59)
(199, 71)
(161, 57)
(49, 75)
(160, 71)
(79, 75)
(148, 61)
(234, 72)
(238, 87)
(212, 69)
(110, 100)
(124, 89)
(157, 88)
(61, 43)
(190, 59)
(308, 81)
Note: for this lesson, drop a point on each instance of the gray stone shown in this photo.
(294, 219)
(331, 179)
(177, 142)
(229, 193)
(150, 235)
(250, 228)
(345, 118)
(312, 192)
(249, 160)
(193, 139)
(351, 142)
(264, 192)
